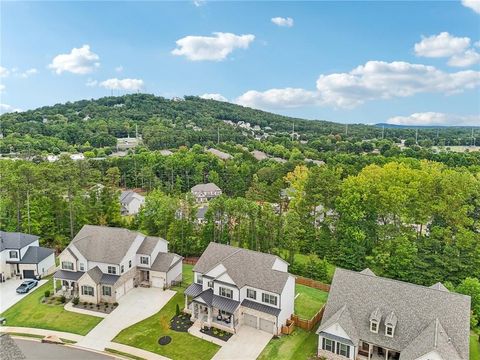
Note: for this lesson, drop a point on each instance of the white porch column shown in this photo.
(386, 354)
(209, 317)
(369, 351)
(186, 302)
(54, 286)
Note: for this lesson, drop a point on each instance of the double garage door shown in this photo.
(123, 289)
(263, 324)
(158, 282)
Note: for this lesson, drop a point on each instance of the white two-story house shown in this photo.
(101, 264)
(205, 192)
(236, 287)
(21, 256)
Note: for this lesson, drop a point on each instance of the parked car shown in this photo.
(26, 286)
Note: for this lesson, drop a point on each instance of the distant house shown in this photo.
(234, 287)
(220, 154)
(166, 152)
(370, 317)
(22, 257)
(259, 155)
(200, 215)
(101, 264)
(128, 143)
(205, 192)
(316, 162)
(78, 156)
(131, 202)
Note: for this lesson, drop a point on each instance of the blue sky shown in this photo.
(370, 62)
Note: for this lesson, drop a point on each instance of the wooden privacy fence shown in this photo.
(190, 260)
(312, 283)
(310, 323)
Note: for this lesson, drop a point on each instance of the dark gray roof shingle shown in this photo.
(96, 274)
(15, 240)
(35, 254)
(261, 307)
(193, 290)
(415, 307)
(148, 245)
(165, 261)
(68, 275)
(245, 267)
(9, 350)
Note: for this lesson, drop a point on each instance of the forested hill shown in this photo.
(168, 123)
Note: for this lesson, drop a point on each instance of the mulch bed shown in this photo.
(165, 340)
(217, 333)
(181, 323)
(93, 307)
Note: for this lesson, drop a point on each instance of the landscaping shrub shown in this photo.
(177, 310)
(115, 304)
(75, 300)
(63, 299)
(47, 293)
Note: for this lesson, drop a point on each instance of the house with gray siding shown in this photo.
(370, 317)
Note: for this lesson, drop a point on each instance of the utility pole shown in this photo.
(346, 129)
(416, 136)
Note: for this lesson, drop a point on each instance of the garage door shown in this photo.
(120, 291)
(250, 320)
(157, 282)
(28, 274)
(266, 325)
(128, 285)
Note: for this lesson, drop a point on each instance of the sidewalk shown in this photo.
(42, 332)
(135, 351)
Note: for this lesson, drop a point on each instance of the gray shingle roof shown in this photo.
(68, 275)
(193, 290)
(96, 274)
(439, 286)
(15, 240)
(9, 350)
(261, 307)
(35, 254)
(415, 308)
(127, 196)
(165, 261)
(148, 245)
(104, 244)
(109, 279)
(205, 188)
(245, 267)
(218, 302)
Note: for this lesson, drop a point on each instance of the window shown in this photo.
(144, 260)
(106, 291)
(328, 345)
(374, 326)
(228, 293)
(199, 279)
(81, 266)
(129, 264)
(210, 284)
(122, 269)
(112, 270)
(269, 299)
(251, 294)
(67, 265)
(87, 290)
(389, 331)
(13, 255)
(343, 349)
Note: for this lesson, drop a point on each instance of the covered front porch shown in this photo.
(65, 283)
(369, 351)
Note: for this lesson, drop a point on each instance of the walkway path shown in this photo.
(69, 307)
(137, 305)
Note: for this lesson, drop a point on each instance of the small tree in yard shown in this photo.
(75, 300)
(47, 293)
(177, 310)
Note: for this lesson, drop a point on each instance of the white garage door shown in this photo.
(250, 320)
(128, 285)
(266, 325)
(158, 282)
(120, 291)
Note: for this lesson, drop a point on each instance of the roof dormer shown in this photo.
(375, 318)
(390, 324)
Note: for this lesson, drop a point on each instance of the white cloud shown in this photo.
(373, 81)
(28, 73)
(445, 45)
(277, 98)
(199, 3)
(441, 45)
(78, 61)
(472, 4)
(216, 48)
(5, 108)
(122, 84)
(4, 72)
(435, 118)
(91, 83)
(2, 88)
(218, 97)
(382, 80)
(281, 21)
(468, 58)
(119, 69)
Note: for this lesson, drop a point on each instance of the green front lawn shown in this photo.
(145, 334)
(300, 345)
(308, 301)
(474, 347)
(30, 312)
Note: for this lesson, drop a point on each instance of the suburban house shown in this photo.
(102, 263)
(220, 154)
(236, 287)
(371, 317)
(131, 202)
(205, 192)
(22, 257)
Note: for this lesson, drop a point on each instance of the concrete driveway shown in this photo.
(8, 295)
(137, 305)
(246, 344)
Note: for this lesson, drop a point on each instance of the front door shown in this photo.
(146, 275)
